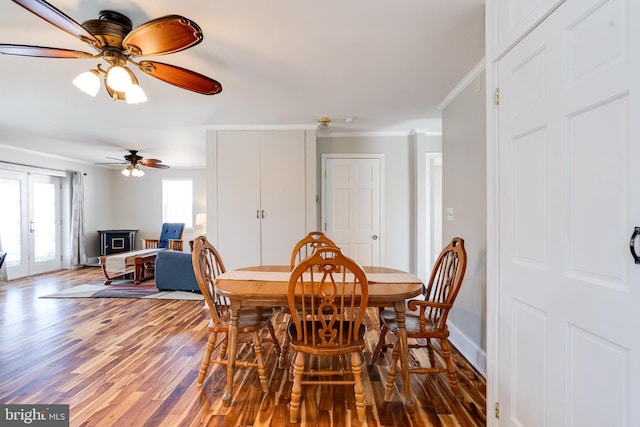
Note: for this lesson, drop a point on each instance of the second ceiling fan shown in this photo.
(118, 43)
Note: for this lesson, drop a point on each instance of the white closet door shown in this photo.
(282, 194)
(238, 191)
(569, 291)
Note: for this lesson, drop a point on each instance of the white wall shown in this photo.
(464, 191)
(139, 201)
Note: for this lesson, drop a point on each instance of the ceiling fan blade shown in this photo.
(177, 76)
(40, 51)
(164, 35)
(155, 165)
(54, 16)
(147, 162)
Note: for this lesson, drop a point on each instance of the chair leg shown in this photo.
(223, 348)
(296, 389)
(204, 367)
(282, 361)
(451, 371)
(392, 374)
(380, 344)
(432, 357)
(262, 372)
(356, 367)
(272, 332)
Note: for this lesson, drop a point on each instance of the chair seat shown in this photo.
(250, 319)
(412, 321)
(300, 345)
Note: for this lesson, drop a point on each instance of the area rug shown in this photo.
(146, 291)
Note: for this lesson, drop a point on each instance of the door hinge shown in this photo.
(497, 96)
(498, 410)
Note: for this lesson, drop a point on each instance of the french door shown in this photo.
(30, 222)
(351, 214)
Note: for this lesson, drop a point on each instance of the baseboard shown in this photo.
(474, 354)
(92, 262)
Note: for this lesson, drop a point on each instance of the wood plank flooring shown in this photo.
(134, 362)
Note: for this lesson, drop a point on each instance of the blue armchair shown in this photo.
(170, 237)
(174, 272)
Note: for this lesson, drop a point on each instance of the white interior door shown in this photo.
(352, 206)
(30, 223)
(569, 186)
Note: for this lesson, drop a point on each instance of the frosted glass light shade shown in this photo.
(118, 79)
(88, 82)
(126, 172)
(135, 95)
(137, 172)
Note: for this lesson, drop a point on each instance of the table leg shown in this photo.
(232, 341)
(137, 275)
(403, 348)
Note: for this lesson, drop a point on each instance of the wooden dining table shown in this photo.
(266, 286)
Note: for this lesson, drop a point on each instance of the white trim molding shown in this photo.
(471, 75)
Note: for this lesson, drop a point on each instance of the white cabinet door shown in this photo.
(260, 196)
(282, 194)
(238, 197)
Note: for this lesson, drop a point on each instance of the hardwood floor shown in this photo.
(134, 362)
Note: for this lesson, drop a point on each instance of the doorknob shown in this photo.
(374, 237)
(632, 245)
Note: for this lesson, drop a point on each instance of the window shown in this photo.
(177, 201)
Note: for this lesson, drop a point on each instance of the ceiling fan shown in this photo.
(118, 43)
(134, 161)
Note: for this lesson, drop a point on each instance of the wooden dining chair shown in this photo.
(327, 297)
(426, 318)
(207, 266)
(302, 249)
(307, 245)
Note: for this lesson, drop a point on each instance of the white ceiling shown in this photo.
(281, 63)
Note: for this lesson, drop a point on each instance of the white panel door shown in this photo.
(238, 191)
(352, 212)
(569, 186)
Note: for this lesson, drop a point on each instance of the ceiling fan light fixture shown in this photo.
(137, 172)
(135, 95)
(118, 78)
(126, 172)
(88, 82)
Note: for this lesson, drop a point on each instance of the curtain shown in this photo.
(3, 269)
(78, 250)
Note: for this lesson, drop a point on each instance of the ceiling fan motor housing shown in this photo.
(110, 28)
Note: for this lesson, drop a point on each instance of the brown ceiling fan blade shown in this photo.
(164, 35)
(147, 162)
(40, 51)
(155, 165)
(55, 17)
(181, 77)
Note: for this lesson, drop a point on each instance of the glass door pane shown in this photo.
(44, 224)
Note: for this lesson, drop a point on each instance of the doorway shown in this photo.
(30, 223)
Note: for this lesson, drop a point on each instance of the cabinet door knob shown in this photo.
(374, 237)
